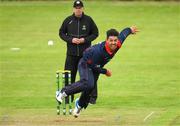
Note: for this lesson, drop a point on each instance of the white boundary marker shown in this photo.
(148, 116)
(15, 49)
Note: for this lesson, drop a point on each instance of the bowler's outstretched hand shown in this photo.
(134, 29)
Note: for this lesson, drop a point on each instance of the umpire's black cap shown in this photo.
(78, 3)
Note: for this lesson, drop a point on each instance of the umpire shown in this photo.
(78, 31)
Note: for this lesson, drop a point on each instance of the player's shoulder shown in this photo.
(69, 17)
(99, 45)
(88, 17)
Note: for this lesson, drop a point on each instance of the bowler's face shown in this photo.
(78, 11)
(112, 42)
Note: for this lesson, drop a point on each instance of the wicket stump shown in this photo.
(63, 78)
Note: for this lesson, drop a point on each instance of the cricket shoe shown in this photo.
(77, 109)
(60, 96)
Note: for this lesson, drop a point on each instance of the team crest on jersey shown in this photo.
(84, 27)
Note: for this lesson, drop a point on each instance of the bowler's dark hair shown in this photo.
(112, 32)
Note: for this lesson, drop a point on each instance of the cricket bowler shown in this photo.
(91, 65)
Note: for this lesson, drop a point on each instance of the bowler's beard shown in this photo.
(113, 47)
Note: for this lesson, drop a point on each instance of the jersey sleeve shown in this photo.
(124, 34)
(63, 32)
(93, 32)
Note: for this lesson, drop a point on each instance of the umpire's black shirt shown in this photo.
(74, 27)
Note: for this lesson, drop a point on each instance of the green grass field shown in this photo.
(143, 91)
